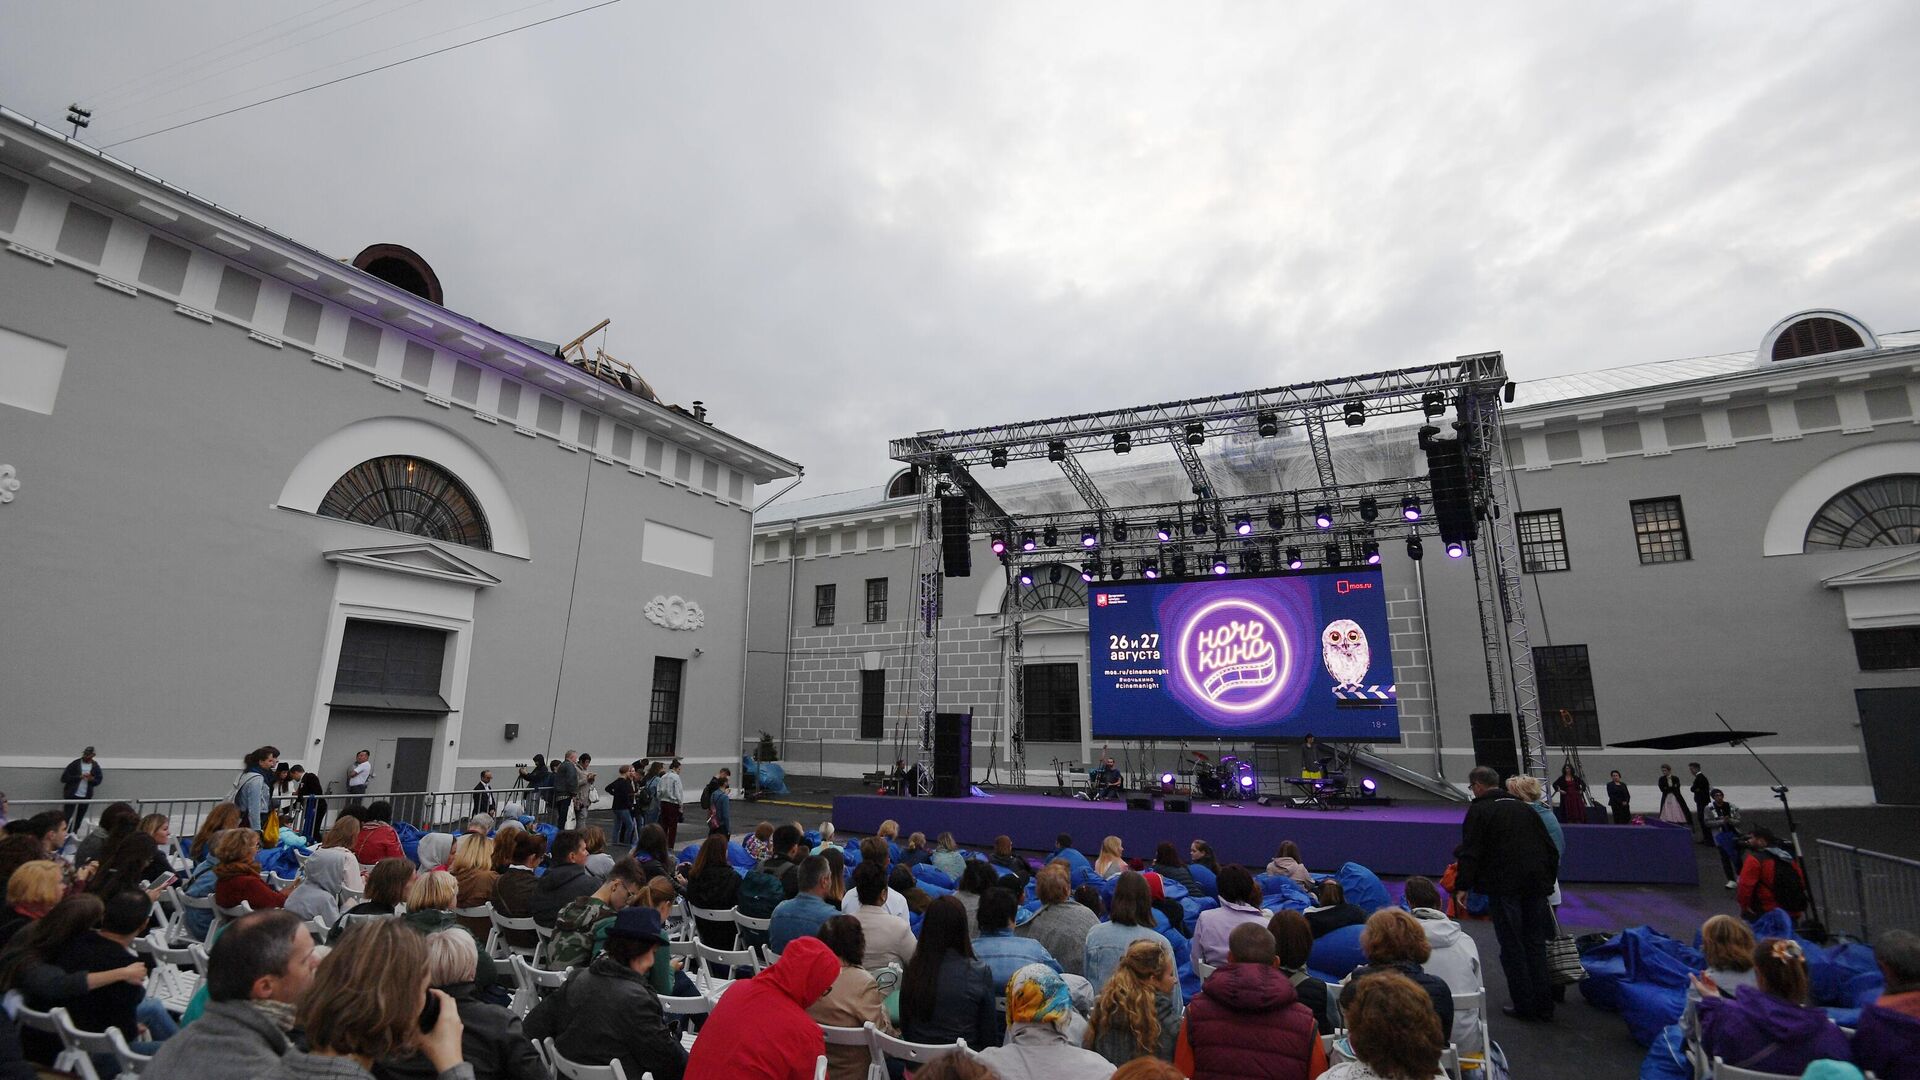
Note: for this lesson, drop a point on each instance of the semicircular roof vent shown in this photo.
(403, 268)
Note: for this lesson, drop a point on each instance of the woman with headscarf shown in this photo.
(432, 851)
(1039, 1009)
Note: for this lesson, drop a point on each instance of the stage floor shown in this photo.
(1399, 840)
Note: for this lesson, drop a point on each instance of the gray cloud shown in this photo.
(841, 223)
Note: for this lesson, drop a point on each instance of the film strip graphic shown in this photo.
(1376, 692)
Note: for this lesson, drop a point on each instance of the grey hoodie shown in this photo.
(1456, 962)
(232, 1040)
(322, 882)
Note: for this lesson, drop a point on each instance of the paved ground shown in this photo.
(1582, 1041)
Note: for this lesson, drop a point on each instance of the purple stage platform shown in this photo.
(1396, 840)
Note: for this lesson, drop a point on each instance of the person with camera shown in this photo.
(369, 1000)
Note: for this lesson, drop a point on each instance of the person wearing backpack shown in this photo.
(1770, 879)
(646, 801)
(253, 788)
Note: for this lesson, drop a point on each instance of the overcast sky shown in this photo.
(839, 223)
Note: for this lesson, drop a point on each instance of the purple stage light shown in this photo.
(1026, 578)
(1410, 508)
(999, 545)
(1220, 566)
(1166, 778)
(1369, 785)
(1246, 781)
(1455, 549)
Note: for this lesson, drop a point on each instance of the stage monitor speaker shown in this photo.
(1493, 743)
(956, 536)
(1139, 802)
(1452, 491)
(952, 755)
(1178, 806)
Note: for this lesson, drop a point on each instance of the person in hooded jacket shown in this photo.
(377, 840)
(1769, 1028)
(1888, 1038)
(1039, 1012)
(566, 878)
(323, 882)
(608, 1011)
(759, 1029)
(1247, 1023)
(1393, 941)
(1454, 958)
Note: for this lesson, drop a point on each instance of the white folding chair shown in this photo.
(820, 1067)
(1201, 969)
(918, 1053)
(569, 1070)
(860, 1036)
(679, 927)
(719, 915)
(224, 915)
(1477, 1003)
(748, 922)
(200, 957)
(181, 904)
(1724, 1071)
(1450, 1062)
(530, 984)
(540, 1051)
(277, 881)
(80, 1045)
(498, 940)
(715, 961)
(174, 978)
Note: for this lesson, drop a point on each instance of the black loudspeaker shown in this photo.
(952, 755)
(1177, 806)
(1139, 802)
(1452, 491)
(1493, 743)
(956, 536)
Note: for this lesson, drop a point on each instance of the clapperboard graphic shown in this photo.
(1363, 697)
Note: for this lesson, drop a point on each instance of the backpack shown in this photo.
(706, 797)
(1788, 890)
(643, 797)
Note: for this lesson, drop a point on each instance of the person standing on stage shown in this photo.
(1312, 759)
(1572, 789)
(1619, 799)
(1702, 795)
(1673, 807)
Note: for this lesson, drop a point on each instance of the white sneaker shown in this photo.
(1733, 884)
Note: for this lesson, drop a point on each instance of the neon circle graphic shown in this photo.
(1242, 673)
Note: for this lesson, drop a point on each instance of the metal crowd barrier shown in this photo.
(426, 810)
(1865, 892)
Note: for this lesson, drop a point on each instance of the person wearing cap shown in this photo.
(1039, 1011)
(78, 781)
(608, 1011)
(760, 1029)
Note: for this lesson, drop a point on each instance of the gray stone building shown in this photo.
(253, 494)
(1735, 534)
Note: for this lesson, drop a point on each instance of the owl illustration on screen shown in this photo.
(1343, 647)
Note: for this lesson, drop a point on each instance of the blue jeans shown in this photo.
(160, 1023)
(625, 831)
(1522, 925)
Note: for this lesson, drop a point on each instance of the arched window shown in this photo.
(904, 483)
(408, 495)
(1811, 337)
(1054, 586)
(1882, 512)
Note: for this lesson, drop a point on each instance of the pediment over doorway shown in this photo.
(1883, 595)
(418, 560)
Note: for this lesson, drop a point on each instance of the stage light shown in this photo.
(1166, 778)
(1120, 530)
(1179, 565)
(1164, 531)
(1410, 508)
(1269, 425)
(999, 544)
(1027, 542)
(1433, 403)
(1026, 577)
(1086, 573)
(1369, 785)
(1355, 413)
(1333, 554)
(1199, 524)
(997, 457)
(1150, 571)
(1122, 442)
(1323, 516)
(1092, 571)
(1196, 433)
(1117, 569)
(1243, 525)
(1276, 518)
(1053, 574)
(1050, 536)
(1057, 450)
(1294, 561)
(1372, 551)
(1369, 508)
(1415, 549)
(1219, 566)
(1246, 782)
(1455, 549)
(1089, 538)
(1428, 433)
(1250, 560)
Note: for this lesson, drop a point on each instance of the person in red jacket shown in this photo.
(1763, 884)
(760, 1029)
(1248, 1022)
(377, 840)
(239, 875)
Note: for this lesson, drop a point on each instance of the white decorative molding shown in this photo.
(9, 482)
(675, 613)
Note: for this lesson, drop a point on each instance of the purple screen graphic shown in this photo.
(1250, 656)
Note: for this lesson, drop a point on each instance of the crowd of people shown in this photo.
(1060, 967)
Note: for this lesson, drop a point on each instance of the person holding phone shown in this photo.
(369, 1000)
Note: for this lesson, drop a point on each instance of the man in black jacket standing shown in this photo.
(1702, 795)
(1507, 855)
(78, 782)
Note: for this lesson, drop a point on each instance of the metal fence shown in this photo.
(1865, 892)
(424, 809)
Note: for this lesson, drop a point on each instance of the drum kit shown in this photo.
(1232, 777)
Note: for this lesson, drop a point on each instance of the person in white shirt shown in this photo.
(889, 937)
(874, 850)
(361, 774)
(1455, 959)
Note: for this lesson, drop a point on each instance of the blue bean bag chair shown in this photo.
(1667, 1058)
(410, 840)
(1182, 955)
(1641, 974)
(812, 837)
(1363, 888)
(1839, 972)
(1281, 893)
(1005, 873)
(1192, 906)
(852, 856)
(1204, 879)
(1076, 860)
(278, 860)
(689, 853)
(1175, 891)
(1337, 954)
(929, 874)
(737, 856)
(933, 889)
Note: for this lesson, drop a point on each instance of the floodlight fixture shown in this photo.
(1410, 508)
(1323, 516)
(1196, 433)
(1243, 525)
(1027, 542)
(1369, 508)
(1294, 561)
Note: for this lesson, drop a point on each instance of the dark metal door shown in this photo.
(412, 758)
(1890, 734)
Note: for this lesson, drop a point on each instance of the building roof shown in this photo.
(1562, 389)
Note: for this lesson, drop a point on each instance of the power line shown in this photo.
(221, 50)
(301, 75)
(369, 71)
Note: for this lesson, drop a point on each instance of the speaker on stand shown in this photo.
(952, 755)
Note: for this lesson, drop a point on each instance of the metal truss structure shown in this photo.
(1277, 522)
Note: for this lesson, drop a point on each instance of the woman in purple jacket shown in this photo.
(1769, 1028)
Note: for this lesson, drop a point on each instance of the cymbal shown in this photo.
(1199, 755)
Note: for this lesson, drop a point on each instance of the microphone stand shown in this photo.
(1793, 829)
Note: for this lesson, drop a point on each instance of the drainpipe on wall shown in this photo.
(746, 643)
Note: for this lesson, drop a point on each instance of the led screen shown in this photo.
(1244, 657)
